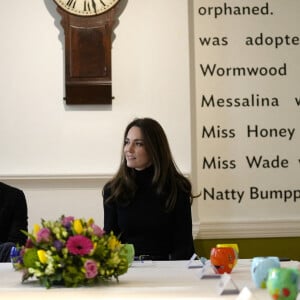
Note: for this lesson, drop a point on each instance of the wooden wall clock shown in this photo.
(88, 26)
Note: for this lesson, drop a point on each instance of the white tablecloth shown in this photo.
(148, 280)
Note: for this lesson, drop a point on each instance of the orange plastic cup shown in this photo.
(235, 248)
(222, 259)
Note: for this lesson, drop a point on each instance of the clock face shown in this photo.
(86, 7)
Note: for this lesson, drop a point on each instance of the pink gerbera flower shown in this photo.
(79, 245)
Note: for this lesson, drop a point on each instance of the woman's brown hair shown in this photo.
(167, 180)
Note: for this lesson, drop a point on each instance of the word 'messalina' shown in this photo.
(252, 100)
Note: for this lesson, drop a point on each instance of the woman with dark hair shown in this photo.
(148, 202)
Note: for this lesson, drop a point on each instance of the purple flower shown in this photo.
(58, 245)
(90, 267)
(79, 245)
(98, 231)
(66, 221)
(43, 235)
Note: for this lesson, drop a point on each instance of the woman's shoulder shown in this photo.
(106, 191)
(183, 199)
(11, 191)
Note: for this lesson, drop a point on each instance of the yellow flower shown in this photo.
(113, 243)
(90, 222)
(78, 226)
(42, 255)
(36, 229)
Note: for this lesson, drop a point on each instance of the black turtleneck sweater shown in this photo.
(146, 225)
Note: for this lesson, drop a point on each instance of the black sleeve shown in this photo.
(183, 244)
(110, 215)
(18, 220)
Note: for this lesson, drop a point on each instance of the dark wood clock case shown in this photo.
(88, 42)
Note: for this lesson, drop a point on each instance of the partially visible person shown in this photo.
(148, 201)
(13, 219)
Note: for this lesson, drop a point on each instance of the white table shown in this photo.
(148, 280)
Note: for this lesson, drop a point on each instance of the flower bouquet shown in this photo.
(71, 252)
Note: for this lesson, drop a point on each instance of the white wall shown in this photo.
(150, 69)
(50, 198)
(62, 155)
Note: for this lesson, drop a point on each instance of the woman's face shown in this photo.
(134, 150)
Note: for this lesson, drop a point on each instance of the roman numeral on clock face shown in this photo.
(88, 4)
(71, 3)
(86, 7)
